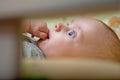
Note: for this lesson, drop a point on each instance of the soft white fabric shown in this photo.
(30, 48)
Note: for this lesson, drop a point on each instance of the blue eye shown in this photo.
(71, 34)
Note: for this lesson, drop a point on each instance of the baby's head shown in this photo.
(83, 38)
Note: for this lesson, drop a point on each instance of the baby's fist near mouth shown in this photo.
(43, 35)
(39, 29)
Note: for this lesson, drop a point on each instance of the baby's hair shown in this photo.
(115, 43)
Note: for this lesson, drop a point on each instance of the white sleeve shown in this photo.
(31, 49)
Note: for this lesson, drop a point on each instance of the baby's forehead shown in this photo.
(90, 23)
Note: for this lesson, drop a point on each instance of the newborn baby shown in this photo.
(83, 38)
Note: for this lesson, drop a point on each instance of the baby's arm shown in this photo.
(36, 28)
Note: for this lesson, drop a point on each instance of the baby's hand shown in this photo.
(38, 28)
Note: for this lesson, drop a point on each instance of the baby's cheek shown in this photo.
(50, 53)
(53, 51)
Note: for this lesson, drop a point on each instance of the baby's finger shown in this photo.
(42, 35)
(43, 27)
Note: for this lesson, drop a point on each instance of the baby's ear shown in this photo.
(114, 21)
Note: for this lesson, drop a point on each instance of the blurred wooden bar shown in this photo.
(9, 48)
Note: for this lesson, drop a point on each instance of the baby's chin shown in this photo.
(42, 43)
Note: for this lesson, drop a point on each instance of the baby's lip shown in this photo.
(47, 38)
(49, 34)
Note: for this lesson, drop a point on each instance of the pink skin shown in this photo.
(36, 28)
(82, 38)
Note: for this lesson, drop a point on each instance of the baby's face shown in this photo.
(81, 38)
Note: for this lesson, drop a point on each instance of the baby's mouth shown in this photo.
(43, 41)
(48, 34)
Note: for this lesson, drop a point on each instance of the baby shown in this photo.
(83, 38)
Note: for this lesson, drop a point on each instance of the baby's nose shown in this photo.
(58, 27)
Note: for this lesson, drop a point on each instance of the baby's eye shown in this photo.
(71, 34)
